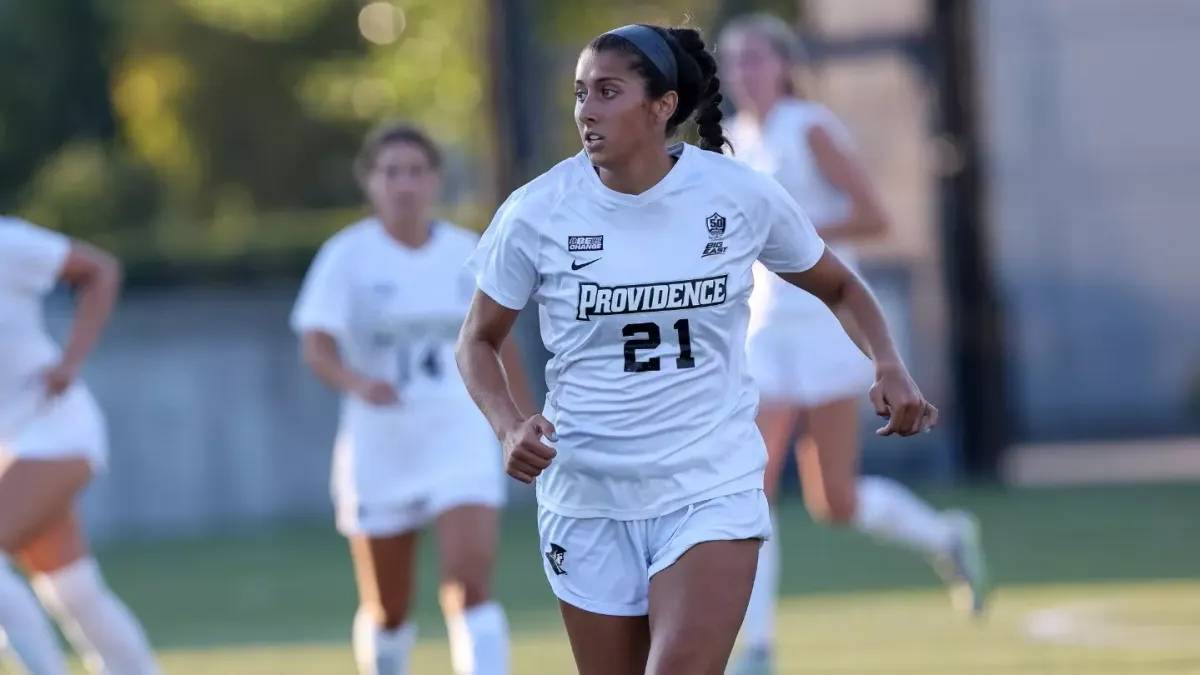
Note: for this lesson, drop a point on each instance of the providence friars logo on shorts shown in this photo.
(597, 300)
(556, 556)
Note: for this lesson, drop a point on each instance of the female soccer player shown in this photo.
(648, 465)
(52, 442)
(377, 316)
(807, 368)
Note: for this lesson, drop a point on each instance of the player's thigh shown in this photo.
(598, 571)
(34, 494)
(606, 645)
(385, 571)
(703, 561)
(61, 543)
(697, 606)
(828, 456)
(467, 537)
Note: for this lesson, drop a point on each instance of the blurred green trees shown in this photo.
(217, 129)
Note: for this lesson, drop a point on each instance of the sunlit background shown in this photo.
(1039, 159)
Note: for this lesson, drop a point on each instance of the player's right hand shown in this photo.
(377, 392)
(526, 456)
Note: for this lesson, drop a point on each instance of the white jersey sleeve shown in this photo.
(324, 303)
(31, 256)
(505, 262)
(792, 243)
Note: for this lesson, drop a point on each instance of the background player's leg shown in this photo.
(834, 493)
(776, 420)
(607, 645)
(384, 570)
(32, 494)
(697, 606)
(25, 632)
(467, 538)
(68, 581)
(881, 507)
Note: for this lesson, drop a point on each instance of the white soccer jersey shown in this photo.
(31, 259)
(643, 304)
(779, 147)
(395, 313)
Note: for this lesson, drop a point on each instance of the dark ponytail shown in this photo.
(697, 86)
(708, 85)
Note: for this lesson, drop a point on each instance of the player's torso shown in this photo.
(406, 309)
(644, 308)
(26, 348)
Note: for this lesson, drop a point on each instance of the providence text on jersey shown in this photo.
(597, 300)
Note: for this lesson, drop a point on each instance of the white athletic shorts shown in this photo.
(391, 519)
(396, 476)
(68, 426)
(604, 566)
(807, 361)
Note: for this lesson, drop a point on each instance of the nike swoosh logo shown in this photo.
(576, 265)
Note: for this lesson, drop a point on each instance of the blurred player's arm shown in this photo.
(96, 276)
(478, 353)
(841, 289)
(841, 170)
(320, 353)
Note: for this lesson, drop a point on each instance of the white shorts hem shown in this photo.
(604, 608)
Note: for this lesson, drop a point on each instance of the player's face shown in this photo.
(753, 70)
(403, 186)
(614, 116)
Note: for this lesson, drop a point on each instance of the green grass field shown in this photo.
(1091, 581)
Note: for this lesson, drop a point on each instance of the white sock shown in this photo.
(479, 640)
(25, 631)
(97, 624)
(890, 512)
(758, 629)
(379, 651)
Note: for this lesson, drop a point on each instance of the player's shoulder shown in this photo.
(727, 173)
(12, 227)
(351, 237)
(542, 195)
(456, 236)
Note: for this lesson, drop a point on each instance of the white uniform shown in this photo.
(643, 305)
(396, 313)
(798, 351)
(33, 426)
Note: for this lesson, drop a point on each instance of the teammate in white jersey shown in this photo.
(52, 442)
(807, 367)
(378, 316)
(647, 461)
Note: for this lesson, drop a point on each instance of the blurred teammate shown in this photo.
(378, 315)
(651, 503)
(52, 442)
(807, 367)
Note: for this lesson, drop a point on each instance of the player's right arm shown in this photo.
(321, 318)
(506, 277)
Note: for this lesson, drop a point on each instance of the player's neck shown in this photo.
(639, 174)
(410, 235)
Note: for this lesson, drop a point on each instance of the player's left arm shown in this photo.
(793, 250)
(96, 275)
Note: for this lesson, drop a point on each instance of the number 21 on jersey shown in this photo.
(648, 335)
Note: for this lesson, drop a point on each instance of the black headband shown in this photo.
(654, 47)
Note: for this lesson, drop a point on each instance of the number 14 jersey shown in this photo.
(643, 302)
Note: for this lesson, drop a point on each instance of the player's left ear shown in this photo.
(665, 107)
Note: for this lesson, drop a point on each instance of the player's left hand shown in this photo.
(59, 378)
(896, 397)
